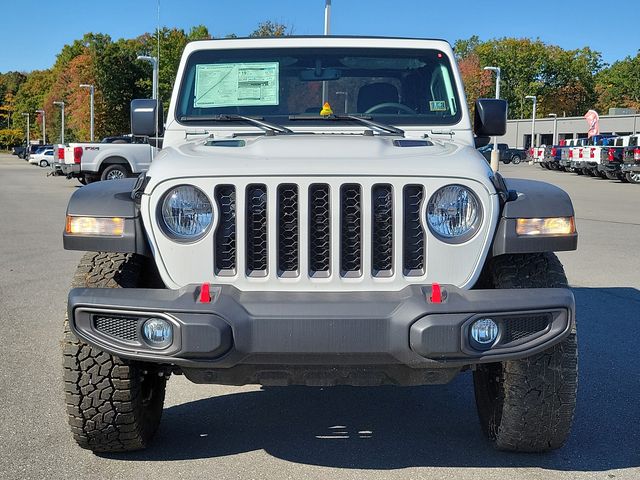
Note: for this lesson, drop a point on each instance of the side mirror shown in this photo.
(144, 114)
(490, 117)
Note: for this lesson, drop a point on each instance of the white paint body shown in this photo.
(342, 155)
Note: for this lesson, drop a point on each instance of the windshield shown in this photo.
(405, 87)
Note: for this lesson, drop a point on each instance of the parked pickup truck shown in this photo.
(631, 160)
(566, 155)
(551, 157)
(611, 158)
(90, 162)
(507, 154)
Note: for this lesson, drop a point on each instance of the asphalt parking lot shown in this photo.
(295, 433)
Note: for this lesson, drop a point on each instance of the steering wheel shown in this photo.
(399, 106)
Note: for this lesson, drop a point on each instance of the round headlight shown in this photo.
(454, 213)
(186, 213)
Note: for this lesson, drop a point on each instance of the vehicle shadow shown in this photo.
(392, 427)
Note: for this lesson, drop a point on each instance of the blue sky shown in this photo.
(570, 24)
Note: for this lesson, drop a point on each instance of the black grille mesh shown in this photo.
(123, 328)
(413, 248)
(319, 228)
(382, 241)
(288, 234)
(351, 228)
(517, 328)
(225, 246)
(256, 224)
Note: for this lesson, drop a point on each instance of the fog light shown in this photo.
(158, 332)
(484, 331)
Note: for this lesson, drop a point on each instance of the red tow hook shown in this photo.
(205, 293)
(436, 293)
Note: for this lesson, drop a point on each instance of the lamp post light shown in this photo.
(495, 155)
(346, 99)
(555, 127)
(27, 149)
(327, 28)
(91, 92)
(533, 120)
(61, 104)
(44, 126)
(154, 64)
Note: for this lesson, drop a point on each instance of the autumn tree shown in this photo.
(563, 80)
(478, 83)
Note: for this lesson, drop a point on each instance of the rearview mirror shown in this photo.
(490, 117)
(144, 114)
(314, 75)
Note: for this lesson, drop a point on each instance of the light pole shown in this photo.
(28, 149)
(555, 127)
(91, 92)
(61, 104)
(154, 64)
(495, 155)
(44, 126)
(533, 121)
(327, 28)
(346, 99)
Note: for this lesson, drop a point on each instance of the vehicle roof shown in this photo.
(326, 41)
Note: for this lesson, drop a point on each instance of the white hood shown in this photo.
(320, 155)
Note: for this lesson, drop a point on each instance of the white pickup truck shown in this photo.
(90, 162)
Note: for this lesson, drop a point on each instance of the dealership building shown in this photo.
(620, 121)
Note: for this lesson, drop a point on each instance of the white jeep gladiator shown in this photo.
(319, 215)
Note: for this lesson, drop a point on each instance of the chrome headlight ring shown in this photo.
(453, 214)
(185, 213)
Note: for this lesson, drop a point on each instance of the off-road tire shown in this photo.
(113, 404)
(527, 405)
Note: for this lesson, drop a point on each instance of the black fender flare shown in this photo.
(532, 199)
(109, 199)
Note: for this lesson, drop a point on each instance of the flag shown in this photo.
(593, 120)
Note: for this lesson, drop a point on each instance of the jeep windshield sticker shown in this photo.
(438, 105)
(236, 84)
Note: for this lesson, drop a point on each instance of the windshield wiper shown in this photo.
(364, 120)
(270, 128)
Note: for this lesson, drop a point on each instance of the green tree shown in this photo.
(271, 29)
(619, 85)
(30, 97)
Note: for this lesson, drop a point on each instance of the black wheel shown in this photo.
(578, 171)
(527, 405)
(515, 159)
(113, 404)
(632, 177)
(114, 172)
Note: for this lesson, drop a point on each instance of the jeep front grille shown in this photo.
(306, 219)
(256, 230)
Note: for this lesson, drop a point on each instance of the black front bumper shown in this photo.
(403, 328)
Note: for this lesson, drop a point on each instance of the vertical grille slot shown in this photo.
(225, 239)
(319, 230)
(413, 254)
(288, 230)
(351, 230)
(382, 230)
(256, 230)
